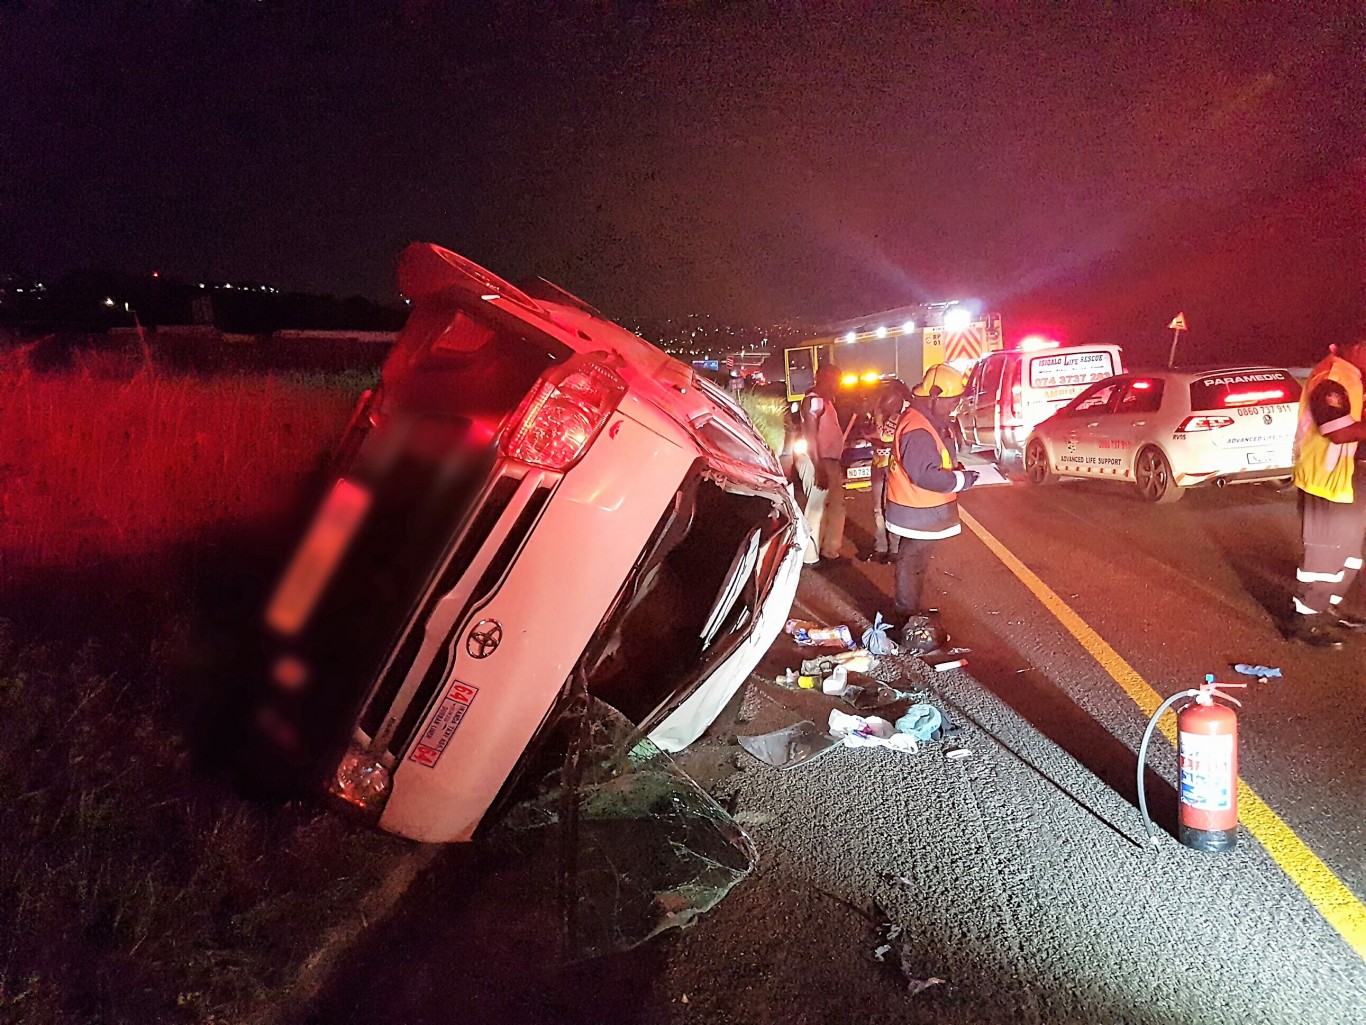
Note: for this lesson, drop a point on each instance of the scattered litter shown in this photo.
(857, 731)
(836, 682)
(879, 695)
(787, 680)
(1261, 672)
(684, 998)
(859, 660)
(752, 818)
(942, 661)
(921, 635)
(915, 986)
(875, 638)
(896, 942)
(813, 635)
(921, 722)
(956, 754)
(793, 745)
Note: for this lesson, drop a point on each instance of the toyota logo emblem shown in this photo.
(484, 639)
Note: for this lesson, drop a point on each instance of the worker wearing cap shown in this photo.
(923, 482)
(1332, 500)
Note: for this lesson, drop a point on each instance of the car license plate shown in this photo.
(859, 472)
(318, 556)
(1262, 457)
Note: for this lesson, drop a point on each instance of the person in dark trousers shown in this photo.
(1332, 495)
(821, 471)
(923, 483)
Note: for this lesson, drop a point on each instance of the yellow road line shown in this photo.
(1338, 905)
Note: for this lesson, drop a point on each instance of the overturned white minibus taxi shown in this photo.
(532, 496)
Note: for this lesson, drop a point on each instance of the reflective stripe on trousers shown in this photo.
(1333, 534)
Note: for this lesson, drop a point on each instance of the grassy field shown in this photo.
(136, 884)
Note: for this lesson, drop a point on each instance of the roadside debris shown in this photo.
(915, 986)
(879, 695)
(944, 660)
(813, 635)
(922, 722)
(1261, 672)
(647, 848)
(858, 731)
(922, 635)
(793, 745)
(875, 638)
(954, 753)
(895, 949)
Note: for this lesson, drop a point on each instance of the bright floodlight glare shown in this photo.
(882, 332)
(908, 327)
(850, 336)
(957, 318)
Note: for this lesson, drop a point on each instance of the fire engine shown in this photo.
(901, 343)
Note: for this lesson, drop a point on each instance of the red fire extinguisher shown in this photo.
(1207, 748)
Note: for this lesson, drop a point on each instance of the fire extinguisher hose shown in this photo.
(1143, 761)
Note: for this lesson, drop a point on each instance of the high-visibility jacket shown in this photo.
(912, 510)
(1322, 467)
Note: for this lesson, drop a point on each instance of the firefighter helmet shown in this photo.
(940, 381)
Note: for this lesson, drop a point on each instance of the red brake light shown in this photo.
(1193, 424)
(566, 410)
(1142, 385)
(1248, 398)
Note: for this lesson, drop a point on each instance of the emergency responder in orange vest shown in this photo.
(1332, 500)
(923, 483)
(821, 471)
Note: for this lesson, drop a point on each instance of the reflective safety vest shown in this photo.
(1322, 467)
(900, 488)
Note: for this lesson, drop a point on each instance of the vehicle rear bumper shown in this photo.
(1216, 479)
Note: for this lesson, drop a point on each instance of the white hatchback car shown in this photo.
(534, 503)
(1170, 430)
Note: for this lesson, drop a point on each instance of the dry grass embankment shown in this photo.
(135, 884)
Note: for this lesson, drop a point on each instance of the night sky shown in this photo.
(1085, 169)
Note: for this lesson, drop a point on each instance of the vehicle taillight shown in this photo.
(1192, 424)
(1248, 398)
(566, 410)
(1012, 410)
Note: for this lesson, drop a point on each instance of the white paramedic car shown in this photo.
(1171, 430)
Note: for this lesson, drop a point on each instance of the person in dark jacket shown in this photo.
(923, 483)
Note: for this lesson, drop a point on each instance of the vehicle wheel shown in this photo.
(1154, 476)
(1010, 461)
(1036, 466)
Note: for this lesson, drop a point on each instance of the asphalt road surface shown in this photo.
(1018, 878)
